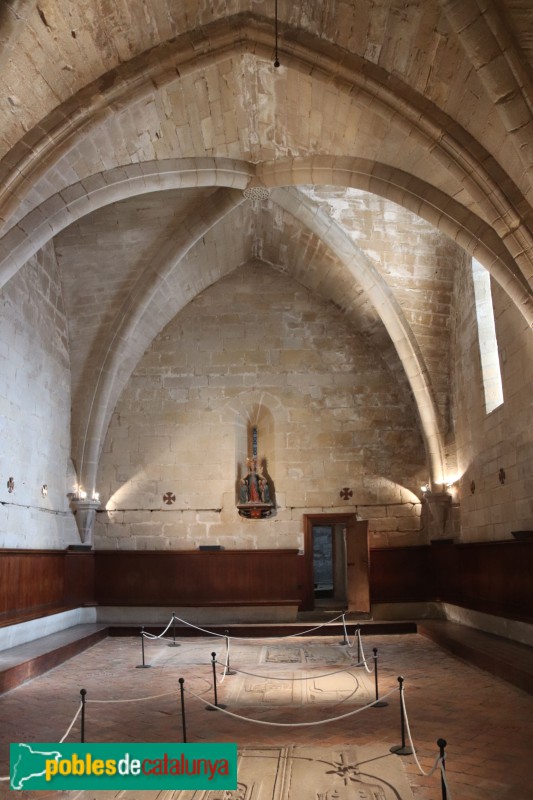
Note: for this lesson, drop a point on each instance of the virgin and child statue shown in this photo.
(254, 489)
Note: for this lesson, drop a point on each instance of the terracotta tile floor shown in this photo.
(487, 723)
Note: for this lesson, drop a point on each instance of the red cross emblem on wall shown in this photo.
(346, 493)
(169, 498)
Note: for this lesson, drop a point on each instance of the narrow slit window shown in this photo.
(488, 344)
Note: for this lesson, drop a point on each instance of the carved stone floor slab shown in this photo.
(324, 673)
(314, 773)
(302, 687)
(294, 653)
(368, 772)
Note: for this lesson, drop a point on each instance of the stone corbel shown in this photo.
(439, 504)
(85, 513)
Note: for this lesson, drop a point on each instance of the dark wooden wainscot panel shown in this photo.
(193, 578)
(399, 574)
(38, 582)
(493, 577)
(79, 578)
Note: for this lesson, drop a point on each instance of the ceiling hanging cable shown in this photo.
(276, 59)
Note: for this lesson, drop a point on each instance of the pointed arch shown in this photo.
(80, 199)
(472, 233)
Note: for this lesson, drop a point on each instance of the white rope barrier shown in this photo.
(346, 637)
(225, 672)
(309, 630)
(287, 724)
(307, 678)
(161, 635)
(439, 761)
(135, 699)
(261, 638)
(203, 630)
(130, 700)
(76, 715)
(370, 671)
(222, 679)
(445, 778)
(363, 662)
(408, 729)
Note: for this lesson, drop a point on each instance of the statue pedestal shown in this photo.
(255, 510)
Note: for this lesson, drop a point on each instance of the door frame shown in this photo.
(308, 588)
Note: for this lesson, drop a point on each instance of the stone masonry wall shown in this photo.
(35, 410)
(258, 348)
(494, 451)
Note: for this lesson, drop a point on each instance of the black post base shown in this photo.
(401, 751)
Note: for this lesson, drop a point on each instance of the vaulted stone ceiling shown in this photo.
(396, 137)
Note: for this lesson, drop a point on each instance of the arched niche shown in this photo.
(259, 415)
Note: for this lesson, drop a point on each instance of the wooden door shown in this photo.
(357, 560)
(358, 585)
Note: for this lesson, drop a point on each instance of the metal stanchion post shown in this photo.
(173, 643)
(229, 671)
(143, 665)
(379, 703)
(401, 749)
(359, 649)
(216, 703)
(344, 638)
(181, 681)
(83, 692)
(442, 744)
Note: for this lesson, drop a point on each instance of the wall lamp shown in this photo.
(81, 494)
